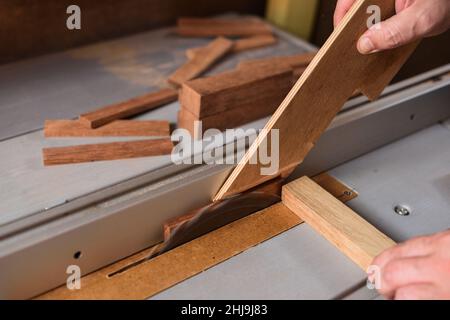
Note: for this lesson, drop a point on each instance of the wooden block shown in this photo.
(118, 128)
(241, 44)
(205, 58)
(246, 89)
(332, 77)
(128, 108)
(146, 278)
(207, 27)
(340, 225)
(106, 151)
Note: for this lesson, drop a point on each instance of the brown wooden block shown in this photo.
(128, 108)
(117, 128)
(247, 89)
(203, 60)
(106, 151)
(240, 45)
(339, 224)
(210, 27)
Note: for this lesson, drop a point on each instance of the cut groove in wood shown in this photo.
(210, 27)
(240, 45)
(117, 128)
(201, 61)
(332, 77)
(106, 151)
(128, 108)
(339, 224)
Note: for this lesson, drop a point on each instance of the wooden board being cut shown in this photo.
(118, 128)
(128, 108)
(336, 72)
(106, 151)
(203, 60)
(240, 45)
(339, 224)
(210, 27)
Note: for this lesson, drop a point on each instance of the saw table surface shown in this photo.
(300, 264)
(64, 85)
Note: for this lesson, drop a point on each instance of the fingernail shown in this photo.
(365, 45)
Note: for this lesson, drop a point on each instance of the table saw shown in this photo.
(395, 152)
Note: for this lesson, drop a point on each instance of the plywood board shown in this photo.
(332, 77)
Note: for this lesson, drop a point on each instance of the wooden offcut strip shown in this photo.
(207, 27)
(241, 44)
(332, 77)
(128, 108)
(106, 151)
(117, 128)
(340, 225)
(162, 272)
(203, 60)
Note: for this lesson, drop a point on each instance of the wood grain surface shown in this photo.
(117, 128)
(106, 151)
(132, 107)
(339, 224)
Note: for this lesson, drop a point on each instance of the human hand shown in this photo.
(418, 269)
(415, 19)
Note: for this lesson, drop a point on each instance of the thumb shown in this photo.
(391, 33)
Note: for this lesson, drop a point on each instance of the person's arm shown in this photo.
(418, 269)
(415, 19)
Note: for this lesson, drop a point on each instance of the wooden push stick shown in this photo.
(241, 44)
(106, 151)
(332, 77)
(128, 108)
(340, 225)
(117, 128)
(202, 61)
(207, 27)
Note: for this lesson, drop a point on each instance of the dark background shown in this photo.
(33, 27)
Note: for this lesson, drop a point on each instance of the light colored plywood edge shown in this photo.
(339, 224)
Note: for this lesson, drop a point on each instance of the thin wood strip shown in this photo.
(117, 128)
(128, 108)
(332, 77)
(339, 224)
(202, 61)
(106, 151)
(240, 45)
(207, 27)
(301, 60)
(153, 276)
